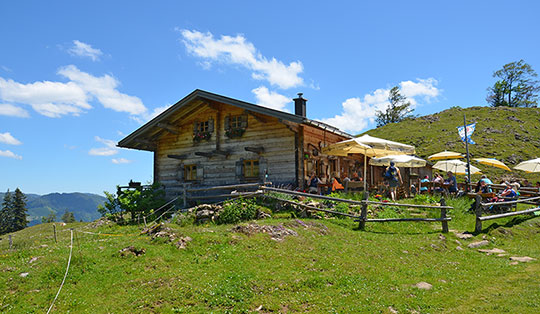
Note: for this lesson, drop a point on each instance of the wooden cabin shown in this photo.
(207, 139)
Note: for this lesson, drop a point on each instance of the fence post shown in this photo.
(363, 213)
(478, 212)
(10, 242)
(184, 196)
(443, 216)
(144, 219)
(54, 230)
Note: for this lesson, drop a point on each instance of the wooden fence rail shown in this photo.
(480, 206)
(365, 203)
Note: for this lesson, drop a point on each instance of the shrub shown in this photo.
(237, 210)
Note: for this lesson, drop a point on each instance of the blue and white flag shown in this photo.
(470, 131)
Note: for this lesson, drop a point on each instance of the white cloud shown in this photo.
(109, 149)
(56, 99)
(104, 89)
(359, 113)
(7, 138)
(270, 99)
(84, 50)
(120, 161)
(237, 50)
(10, 154)
(13, 111)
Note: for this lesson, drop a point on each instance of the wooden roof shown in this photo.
(144, 137)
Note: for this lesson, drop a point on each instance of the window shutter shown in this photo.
(195, 127)
(244, 121)
(200, 172)
(211, 125)
(180, 175)
(227, 122)
(239, 169)
(263, 169)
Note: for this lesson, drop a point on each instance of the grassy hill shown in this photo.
(326, 267)
(83, 205)
(511, 135)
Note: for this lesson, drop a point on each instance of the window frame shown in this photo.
(190, 172)
(251, 168)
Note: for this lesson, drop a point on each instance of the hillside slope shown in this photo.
(83, 205)
(507, 134)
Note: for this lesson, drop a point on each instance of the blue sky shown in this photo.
(75, 78)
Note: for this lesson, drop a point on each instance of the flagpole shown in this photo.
(468, 181)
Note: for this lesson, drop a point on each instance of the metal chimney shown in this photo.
(300, 105)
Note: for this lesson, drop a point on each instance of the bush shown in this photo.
(136, 202)
(237, 210)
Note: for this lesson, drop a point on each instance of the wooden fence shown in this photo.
(362, 219)
(187, 193)
(481, 206)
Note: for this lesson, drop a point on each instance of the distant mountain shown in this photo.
(508, 134)
(83, 205)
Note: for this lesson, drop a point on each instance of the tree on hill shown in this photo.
(516, 87)
(19, 210)
(6, 214)
(398, 110)
(68, 217)
(50, 218)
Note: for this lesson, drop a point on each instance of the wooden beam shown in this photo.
(204, 154)
(181, 157)
(258, 149)
(290, 125)
(256, 116)
(169, 127)
(213, 153)
(145, 142)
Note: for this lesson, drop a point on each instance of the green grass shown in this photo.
(343, 271)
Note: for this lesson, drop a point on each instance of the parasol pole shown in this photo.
(468, 181)
(365, 171)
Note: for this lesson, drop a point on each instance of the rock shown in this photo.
(182, 243)
(205, 213)
(131, 250)
(464, 236)
(459, 248)
(33, 259)
(502, 255)
(405, 252)
(392, 310)
(492, 251)
(458, 243)
(514, 263)
(522, 259)
(263, 215)
(43, 245)
(442, 237)
(478, 244)
(24, 275)
(423, 285)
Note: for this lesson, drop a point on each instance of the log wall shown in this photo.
(277, 140)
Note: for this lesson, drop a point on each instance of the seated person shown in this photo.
(452, 182)
(484, 188)
(356, 177)
(438, 179)
(312, 183)
(507, 193)
(526, 183)
(423, 184)
(336, 185)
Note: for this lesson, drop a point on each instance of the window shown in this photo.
(190, 172)
(251, 168)
(203, 126)
(236, 122)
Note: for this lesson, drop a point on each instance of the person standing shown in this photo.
(392, 174)
(451, 182)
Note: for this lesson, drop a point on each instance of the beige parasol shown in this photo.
(532, 165)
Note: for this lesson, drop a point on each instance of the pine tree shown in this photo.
(68, 217)
(6, 214)
(19, 210)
